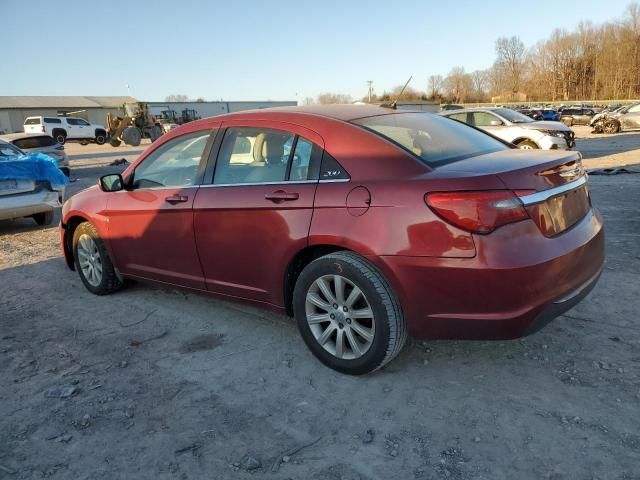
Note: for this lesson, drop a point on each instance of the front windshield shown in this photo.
(512, 115)
(434, 139)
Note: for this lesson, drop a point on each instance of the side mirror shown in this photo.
(111, 183)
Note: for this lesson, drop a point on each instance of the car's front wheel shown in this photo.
(347, 314)
(92, 261)
(527, 145)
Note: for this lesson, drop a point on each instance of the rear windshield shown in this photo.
(9, 151)
(434, 139)
(34, 142)
(32, 121)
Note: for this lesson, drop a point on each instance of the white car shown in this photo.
(24, 197)
(66, 128)
(516, 128)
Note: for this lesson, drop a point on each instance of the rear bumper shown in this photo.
(24, 205)
(517, 283)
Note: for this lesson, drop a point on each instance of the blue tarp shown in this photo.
(32, 166)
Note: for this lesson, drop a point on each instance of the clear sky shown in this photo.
(261, 50)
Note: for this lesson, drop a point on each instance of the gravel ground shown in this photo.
(155, 383)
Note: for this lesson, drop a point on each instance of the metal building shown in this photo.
(13, 110)
(211, 109)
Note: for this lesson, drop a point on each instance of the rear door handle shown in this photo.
(173, 199)
(281, 196)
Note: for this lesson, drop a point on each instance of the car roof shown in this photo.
(344, 112)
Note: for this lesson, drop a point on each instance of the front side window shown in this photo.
(434, 139)
(259, 155)
(82, 122)
(72, 121)
(485, 119)
(174, 164)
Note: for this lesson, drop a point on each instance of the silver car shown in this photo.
(20, 197)
(517, 128)
(40, 143)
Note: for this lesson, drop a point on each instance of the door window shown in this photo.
(258, 155)
(72, 121)
(174, 164)
(81, 122)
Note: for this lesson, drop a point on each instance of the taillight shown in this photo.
(44, 130)
(477, 211)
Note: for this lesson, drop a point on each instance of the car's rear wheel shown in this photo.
(527, 145)
(92, 261)
(60, 136)
(101, 137)
(44, 218)
(347, 314)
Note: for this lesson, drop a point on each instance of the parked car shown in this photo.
(516, 128)
(66, 128)
(531, 113)
(24, 191)
(450, 106)
(378, 223)
(576, 116)
(626, 117)
(550, 114)
(29, 143)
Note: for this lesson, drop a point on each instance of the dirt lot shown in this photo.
(154, 383)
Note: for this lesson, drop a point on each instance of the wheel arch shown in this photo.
(518, 140)
(67, 240)
(300, 260)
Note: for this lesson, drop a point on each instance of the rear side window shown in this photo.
(34, 142)
(32, 121)
(433, 139)
(52, 120)
(259, 155)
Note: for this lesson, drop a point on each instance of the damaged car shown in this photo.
(31, 185)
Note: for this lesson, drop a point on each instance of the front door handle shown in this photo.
(281, 196)
(173, 199)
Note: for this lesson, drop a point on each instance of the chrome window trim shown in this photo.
(545, 195)
(253, 184)
(335, 180)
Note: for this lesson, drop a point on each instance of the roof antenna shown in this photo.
(394, 104)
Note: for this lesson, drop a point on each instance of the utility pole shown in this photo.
(370, 89)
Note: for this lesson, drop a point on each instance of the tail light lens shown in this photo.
(477, 212)
(44, 130)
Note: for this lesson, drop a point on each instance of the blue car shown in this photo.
(548, 114)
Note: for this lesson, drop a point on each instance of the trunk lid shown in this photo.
(552, 185)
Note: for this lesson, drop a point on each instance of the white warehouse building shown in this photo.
(14, 109)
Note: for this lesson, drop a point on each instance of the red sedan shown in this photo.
(365, 223)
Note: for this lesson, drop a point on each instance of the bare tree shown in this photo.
(510, 53)
(458, 85)
(176, 97)
(434, 86)
(479, 84)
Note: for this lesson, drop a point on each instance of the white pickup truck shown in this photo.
(66, 128)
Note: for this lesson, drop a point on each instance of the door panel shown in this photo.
(246, 240)
(151, 234)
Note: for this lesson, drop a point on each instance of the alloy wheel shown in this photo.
(89, 260)
(340, 317)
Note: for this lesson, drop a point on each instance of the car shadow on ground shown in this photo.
(605, 145)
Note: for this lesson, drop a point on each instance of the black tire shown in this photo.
(131, 136)
(155, 133)
(109, 282)
(390, 329)
(43, 219)
(84, 142)
(611, 126)
(60, 136)
(527, 145)
(101, 137)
